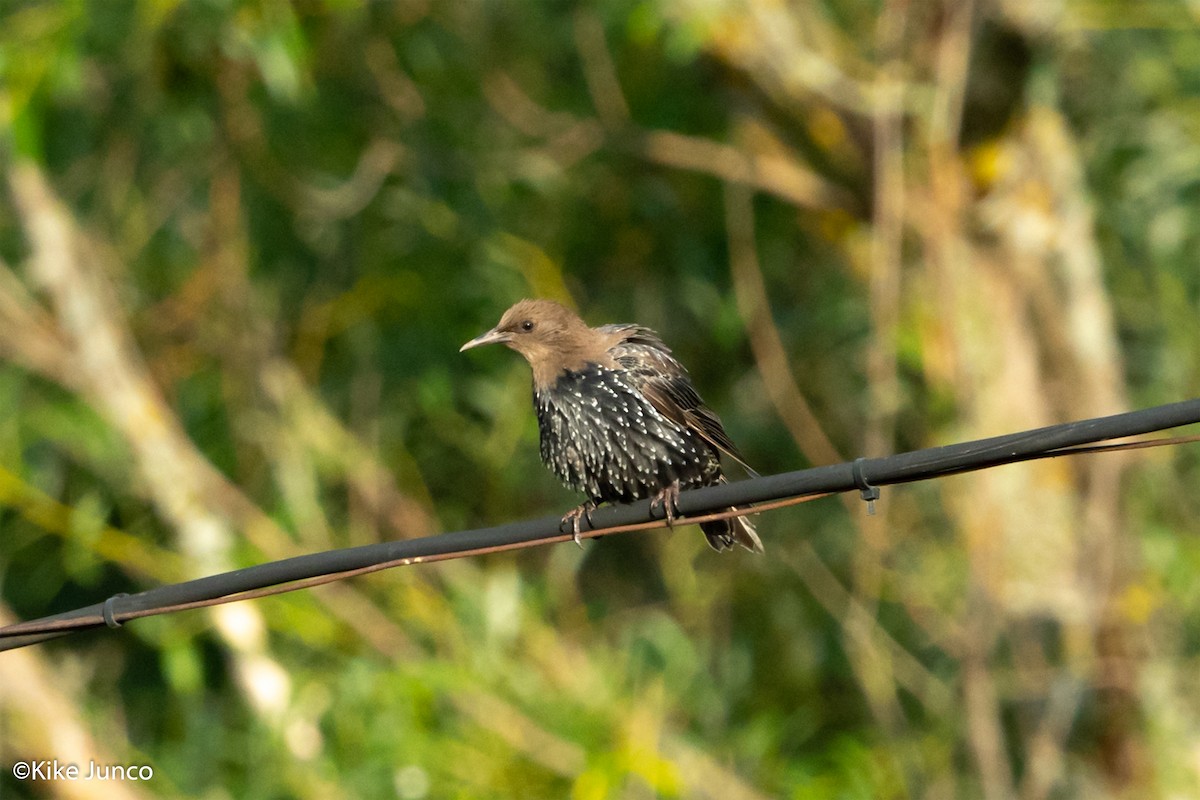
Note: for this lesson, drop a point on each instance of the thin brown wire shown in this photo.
(43, 626)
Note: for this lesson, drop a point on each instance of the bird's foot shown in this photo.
(573, 516)
(668, 498)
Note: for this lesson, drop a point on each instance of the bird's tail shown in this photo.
(725, 533)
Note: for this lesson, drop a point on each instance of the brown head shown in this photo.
(550, 336)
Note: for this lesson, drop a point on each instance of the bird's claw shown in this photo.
(668, 498)
(573, 516)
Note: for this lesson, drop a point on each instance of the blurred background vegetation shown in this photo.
(241, 242)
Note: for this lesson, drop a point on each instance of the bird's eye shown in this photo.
(527, 325)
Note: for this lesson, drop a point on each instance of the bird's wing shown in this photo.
(666, 384)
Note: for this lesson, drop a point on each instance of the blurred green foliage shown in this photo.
(299, 211)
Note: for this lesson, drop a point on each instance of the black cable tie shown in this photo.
(865, 489)
(110, 618)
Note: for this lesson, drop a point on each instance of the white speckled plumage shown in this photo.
(618, 449)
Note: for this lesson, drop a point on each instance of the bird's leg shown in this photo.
(574, 515)
(668, 498)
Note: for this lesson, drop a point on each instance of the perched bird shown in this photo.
(619, 417)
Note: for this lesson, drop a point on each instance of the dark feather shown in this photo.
(666, 384)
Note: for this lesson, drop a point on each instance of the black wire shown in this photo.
(917, 465)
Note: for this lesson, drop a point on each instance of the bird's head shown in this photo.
(550, 336)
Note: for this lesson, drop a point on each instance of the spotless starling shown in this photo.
(619, 417)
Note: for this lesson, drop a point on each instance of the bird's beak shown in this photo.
(491, 337)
